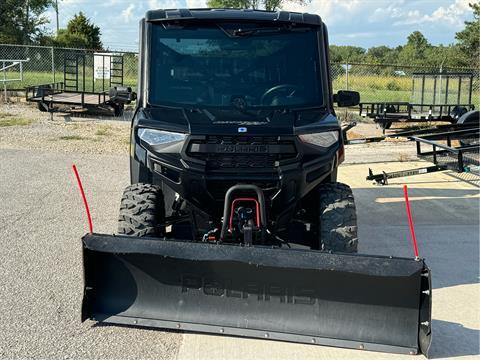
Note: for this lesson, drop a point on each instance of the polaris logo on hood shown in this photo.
(242, 129)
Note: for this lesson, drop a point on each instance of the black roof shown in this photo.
(231, 14)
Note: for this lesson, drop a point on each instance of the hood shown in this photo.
(228, 121)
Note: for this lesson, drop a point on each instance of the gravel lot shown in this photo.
(42, 221)
(66, 133)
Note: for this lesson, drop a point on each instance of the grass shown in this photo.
(31, 78)
(7, 119)
(372, 88)
(14, 121)
(103, 131)
(378, 88)
(347, 115)
(71, 137)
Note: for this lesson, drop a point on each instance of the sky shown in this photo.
(363, 23)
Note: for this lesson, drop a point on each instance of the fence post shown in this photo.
(346, 73)
(53, 65)
(5, 81)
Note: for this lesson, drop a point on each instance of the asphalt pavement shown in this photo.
(42, 220)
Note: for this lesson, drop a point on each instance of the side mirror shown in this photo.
(346, 98)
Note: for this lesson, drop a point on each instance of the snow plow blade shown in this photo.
(354, 301)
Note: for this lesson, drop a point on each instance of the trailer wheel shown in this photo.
(337, 218)
(142, 211)
(385, 125)
(118, 110)
(42, 106)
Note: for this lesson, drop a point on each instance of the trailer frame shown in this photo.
(440, 108)
(74, 91)
(462, 159)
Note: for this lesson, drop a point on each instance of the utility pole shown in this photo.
(26, 26)
(56, 10)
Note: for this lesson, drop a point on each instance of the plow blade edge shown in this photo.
(355, 301)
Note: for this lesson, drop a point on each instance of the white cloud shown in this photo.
(70, 2)
(392, 11)
(127, 14)
(195, 4)
(452, 15)
(51, 16)
(329, 10)
(163, 4)
(111, 3)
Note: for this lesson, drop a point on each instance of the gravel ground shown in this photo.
(87, 134)
(76, 133)
(43, 219)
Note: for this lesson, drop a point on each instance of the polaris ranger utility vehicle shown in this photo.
(234, 222)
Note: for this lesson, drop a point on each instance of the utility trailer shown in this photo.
(234, 222)
(456, 150)
(89, 81)
(435, 97)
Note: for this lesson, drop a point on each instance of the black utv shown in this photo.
(238, 106)
(235, 222)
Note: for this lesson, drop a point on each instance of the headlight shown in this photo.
(158, 137)
(323, 139)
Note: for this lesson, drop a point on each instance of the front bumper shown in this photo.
(286, 169)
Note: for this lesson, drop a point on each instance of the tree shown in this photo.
(419, 43)
(414, 52)
(270, 5)
(80, 32)
(21, 20)
(381, 55)
(347, 53)
(234, 4)
(469, 40)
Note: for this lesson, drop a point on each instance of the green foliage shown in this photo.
(21, 21)
(415, 50)
(381, 55)
(346, 53)
(393, 85)
(80, 33)
(235, 4)
(469, 39)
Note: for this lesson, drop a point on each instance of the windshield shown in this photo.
(239, 65)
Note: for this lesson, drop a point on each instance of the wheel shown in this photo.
(42, 106)
(118, 110)
(458, 111)
(470, 118)
(142, 211)
(337, 218)
(384, 125)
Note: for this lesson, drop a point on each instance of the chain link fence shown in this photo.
(375, 82)
(47, 65)
(378, 83)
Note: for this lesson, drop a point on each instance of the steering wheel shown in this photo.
(288, 88)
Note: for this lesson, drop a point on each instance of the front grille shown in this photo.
(241, 152)
(218, 189)
(221, 161)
